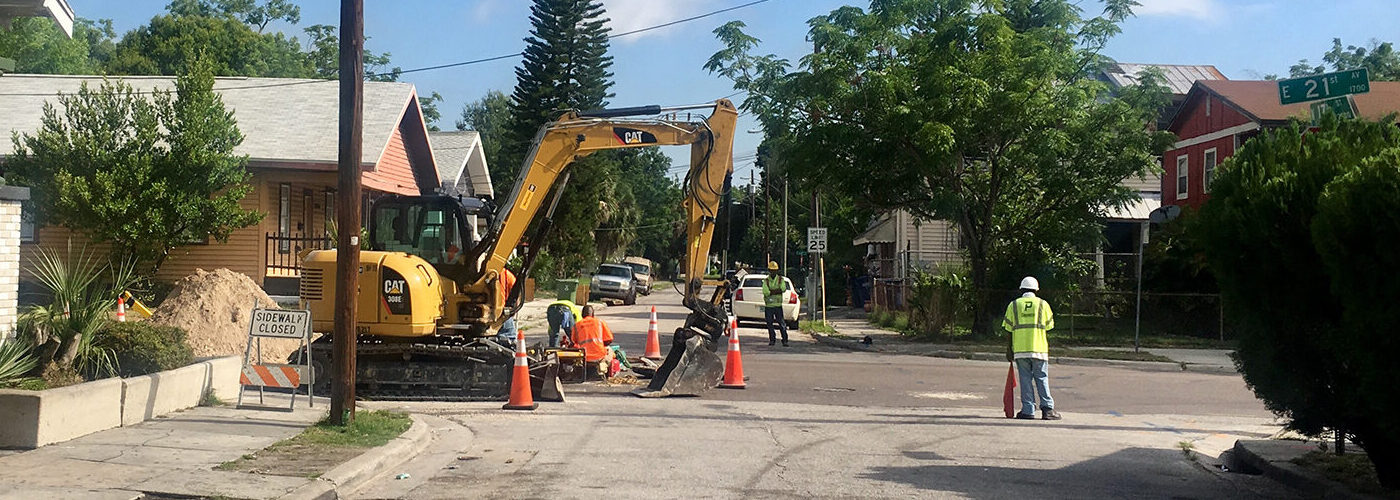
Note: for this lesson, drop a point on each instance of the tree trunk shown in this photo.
(70, 350)
(981, 296)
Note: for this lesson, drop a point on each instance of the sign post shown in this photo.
(282, 324)
(816, 245)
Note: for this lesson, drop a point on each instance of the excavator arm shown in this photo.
(544, 178)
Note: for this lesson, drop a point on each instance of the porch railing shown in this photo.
(283, 250)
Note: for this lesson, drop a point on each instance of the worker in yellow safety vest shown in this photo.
(1027, 319)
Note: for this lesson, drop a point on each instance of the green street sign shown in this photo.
(1324, 86)
(1344, 107)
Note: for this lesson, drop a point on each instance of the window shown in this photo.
(1182, 164)
(307, 209)
(284, 218)
(27, 232)
(1210, 161)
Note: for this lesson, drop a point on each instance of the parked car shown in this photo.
(748, 300)
(641, 271)
(614, 281)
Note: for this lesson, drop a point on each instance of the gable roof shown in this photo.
(1258, 100)
(283, 120)
(1179, 77)
(458, 155)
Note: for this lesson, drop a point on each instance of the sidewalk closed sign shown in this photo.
(280, 324)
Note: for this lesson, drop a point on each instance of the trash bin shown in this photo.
(564, 289)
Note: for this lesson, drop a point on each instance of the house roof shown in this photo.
(58, 10)
(882, 232)
(1135, 211)
(1179, 77)
(1258, 100)
(283, 120)
(459, 153)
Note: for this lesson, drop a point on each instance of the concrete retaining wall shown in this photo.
(30, 419)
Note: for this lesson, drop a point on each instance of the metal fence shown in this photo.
(1091, 313)
(283, 252)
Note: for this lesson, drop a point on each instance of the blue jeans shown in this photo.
(506, 335)
(775, 315)
(1034, 378)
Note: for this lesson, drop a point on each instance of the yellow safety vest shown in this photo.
(1028, 318)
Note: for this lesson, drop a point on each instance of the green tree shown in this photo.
(164, 45)
(39, 46)
(1295, 231)
(658, 198)
(323, 55)
(146, 175)
(490, 117)
(983, 113)
(565, 66)
(1379, 58)
(431, 115)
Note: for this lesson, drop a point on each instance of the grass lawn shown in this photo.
(1075, 353)
(1352, 469)
(323, 446)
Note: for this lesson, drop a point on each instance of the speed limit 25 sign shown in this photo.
(816, 240)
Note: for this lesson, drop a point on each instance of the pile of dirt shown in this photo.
(216, 308)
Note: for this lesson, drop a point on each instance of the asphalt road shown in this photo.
(816, 421)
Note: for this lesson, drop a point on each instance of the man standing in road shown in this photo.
(1027, 319)
(506, 335)
(774, 289)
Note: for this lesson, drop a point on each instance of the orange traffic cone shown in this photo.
(653, 350)
(121, 310)
(1008, 399)
(520, 398)
(733, 364)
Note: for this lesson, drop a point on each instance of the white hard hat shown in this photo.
(1029, 283)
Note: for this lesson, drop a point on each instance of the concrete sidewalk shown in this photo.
(175, 456)
(852, 326)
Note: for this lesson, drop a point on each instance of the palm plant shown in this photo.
(16, 361)
(82, 289)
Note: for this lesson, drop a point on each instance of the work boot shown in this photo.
(785, 343)
(1023, 416)
(771, 342)
(1049, 414)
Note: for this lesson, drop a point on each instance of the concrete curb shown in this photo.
(351, 475)
(1150, 366)
(1291, 474)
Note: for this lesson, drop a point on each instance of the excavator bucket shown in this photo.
(690, 368)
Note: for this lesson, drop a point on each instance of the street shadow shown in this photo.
(1127, 473)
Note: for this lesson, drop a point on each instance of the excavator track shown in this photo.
(452, 369)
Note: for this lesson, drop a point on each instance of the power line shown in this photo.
(648, 226)
(435, 67)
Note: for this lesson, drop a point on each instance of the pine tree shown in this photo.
(565, 66)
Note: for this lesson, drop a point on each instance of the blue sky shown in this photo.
(1245, 39)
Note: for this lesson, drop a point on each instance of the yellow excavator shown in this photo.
(431, 294)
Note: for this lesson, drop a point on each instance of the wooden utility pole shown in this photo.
(347, 259)
(785, 224)
(767, 213)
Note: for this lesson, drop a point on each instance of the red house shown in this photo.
(1220, 115)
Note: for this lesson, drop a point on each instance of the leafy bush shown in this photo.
(937, 300)
(141, 347)
(1300, 233)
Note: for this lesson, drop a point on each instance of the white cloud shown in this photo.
(629, 15)
(486, 10)
(1199, 9)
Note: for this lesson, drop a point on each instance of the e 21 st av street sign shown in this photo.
(1324, 86)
